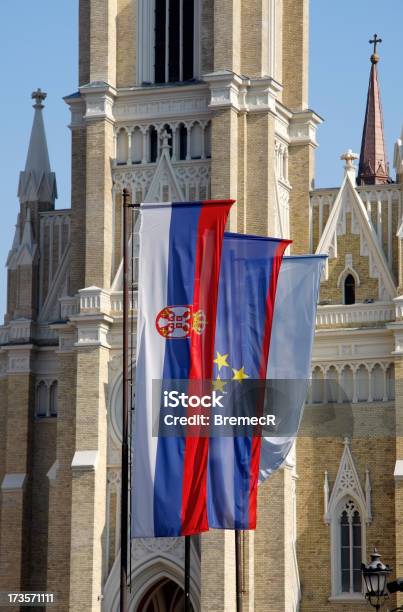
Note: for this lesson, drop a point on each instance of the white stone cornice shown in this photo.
(171, 102)
(19, 358)
(84, 461)
(397, 328)
(398, 473)
(262, 95)
(225, 87)
(99, 100)
(77, 106)
(303, 126)
(92, 330)
(67, 334)
(398, 307)
(13, 482)
(52, 473)
(229, 90)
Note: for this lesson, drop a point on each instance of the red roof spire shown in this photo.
(374, 167)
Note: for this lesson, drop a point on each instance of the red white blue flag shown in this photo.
(179, 266)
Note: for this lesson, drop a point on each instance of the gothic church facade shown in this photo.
(186, 100)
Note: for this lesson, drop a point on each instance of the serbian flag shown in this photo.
(289, 367)
(249, 271)
(179, 267)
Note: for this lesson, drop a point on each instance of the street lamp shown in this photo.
(375, 575)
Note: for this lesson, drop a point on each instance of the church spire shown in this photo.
(37, 181)
(373, 167)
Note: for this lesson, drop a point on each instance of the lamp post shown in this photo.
(375, 575)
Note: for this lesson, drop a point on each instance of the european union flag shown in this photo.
(248, 279)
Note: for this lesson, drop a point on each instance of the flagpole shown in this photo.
(124, 503)
(187, 573)
(238, 570)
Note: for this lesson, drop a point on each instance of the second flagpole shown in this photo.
(124, 504)
(238, 569)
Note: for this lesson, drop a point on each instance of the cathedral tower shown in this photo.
(176, 101)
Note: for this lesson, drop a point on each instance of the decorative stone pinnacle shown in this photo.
(349, 157)
(375, 41)
(346, 441)
(39, 96)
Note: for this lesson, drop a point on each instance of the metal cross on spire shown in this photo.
(39, 96)
(375, 41)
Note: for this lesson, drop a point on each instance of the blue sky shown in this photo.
(38, 44)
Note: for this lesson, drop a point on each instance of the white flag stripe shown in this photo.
(153, 264)
(291, 343)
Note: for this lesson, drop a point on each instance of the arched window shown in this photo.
(153, 136)
(332, 385)
(174, 40)
(377, 383)
(122, 153)
(350, 549)
(390, 381)
(362, 383)
(317, 386)
(137, 146)
(349, 289)
(347, 384)
(42, 400)
(53, 399)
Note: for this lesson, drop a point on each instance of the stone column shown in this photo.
(15, 484)
(227, 36)
(301, 171)
(98, 255)
(102, 41)
(126, 37)
(260, 209)
(295, 54)
(88, 504)
(59, 525)
(218, 585)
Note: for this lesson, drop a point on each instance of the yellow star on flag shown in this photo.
(218, 384)
(239, 374)
(221, 361)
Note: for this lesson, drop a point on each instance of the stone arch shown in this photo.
(115, 401)
(122, 147)
(377, 382)
(145, 576)
(317, 386)
(347, 383)
(363, 383)
(332, 384)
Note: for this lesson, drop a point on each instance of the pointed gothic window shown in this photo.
(174, 36)
(350, 549)
(349, 289)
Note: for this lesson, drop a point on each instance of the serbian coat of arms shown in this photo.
(178, 322)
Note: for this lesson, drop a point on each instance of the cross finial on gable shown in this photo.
(39, 96)
(165, 136)
(375, 41)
